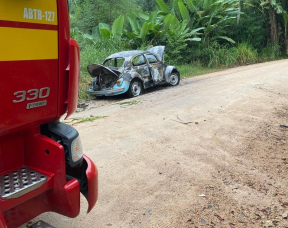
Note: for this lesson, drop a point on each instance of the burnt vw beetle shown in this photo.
(130, 72)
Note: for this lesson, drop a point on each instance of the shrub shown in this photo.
(271, 52)
(216, 55)
(252, 28)
(175, 50)
(246, 54)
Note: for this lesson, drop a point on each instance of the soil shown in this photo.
(211, 152)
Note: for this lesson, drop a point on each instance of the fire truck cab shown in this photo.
(42, 166)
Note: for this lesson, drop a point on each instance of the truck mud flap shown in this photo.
(87, 176)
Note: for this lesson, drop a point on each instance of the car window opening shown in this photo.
(139, 60)
(151, 58)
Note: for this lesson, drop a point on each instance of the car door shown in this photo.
(140, 66)
(155, 67)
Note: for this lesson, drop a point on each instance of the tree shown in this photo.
(273, 7)
(87, 14)
(284, 19)
(240, 3)
(252, 27)
(203, 13)
(147, 5)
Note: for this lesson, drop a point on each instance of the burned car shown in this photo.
(131, 72)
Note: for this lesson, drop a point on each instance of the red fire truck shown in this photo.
(42, 167)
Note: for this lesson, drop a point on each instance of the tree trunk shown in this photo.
(286, 38)
(239, 11)
(286, 41)
(273, 26)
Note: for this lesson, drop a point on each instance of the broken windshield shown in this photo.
(114, 62)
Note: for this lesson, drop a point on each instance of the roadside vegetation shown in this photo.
(200, 36)
(130, 102)
(85, 119)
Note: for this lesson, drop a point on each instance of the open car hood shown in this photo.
(98, 69)
(158, 51)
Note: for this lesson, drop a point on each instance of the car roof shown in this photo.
(126, 54)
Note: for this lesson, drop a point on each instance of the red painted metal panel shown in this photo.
(24, 76)
(11, 152)
(65, 202)
(74, 76)
(2, 222)
(45, 155)
(64, 37)
(92, 177)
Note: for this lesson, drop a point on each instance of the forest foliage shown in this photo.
(210, 33)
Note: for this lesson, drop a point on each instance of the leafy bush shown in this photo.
(99, 50)
(217, 55)
(271, 52)
(246, 54)
(175, 50)
(251, 29)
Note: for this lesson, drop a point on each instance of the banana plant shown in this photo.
(179, 29)
(144, 28)
(207, 14)
(182, 18)
(104, 31)
(213, 15)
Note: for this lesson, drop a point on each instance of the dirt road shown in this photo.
(207, 153)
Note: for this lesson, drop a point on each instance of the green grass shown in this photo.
(133, 102)
(270, 53)
(246, 54)
(88, 119)
(191, 70)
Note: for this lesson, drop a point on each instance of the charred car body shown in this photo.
(130, 72)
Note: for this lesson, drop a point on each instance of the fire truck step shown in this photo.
(20, 182)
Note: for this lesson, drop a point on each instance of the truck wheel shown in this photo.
(135, 88)
(174, 79)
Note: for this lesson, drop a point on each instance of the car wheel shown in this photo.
(135, 88)
(174, 79)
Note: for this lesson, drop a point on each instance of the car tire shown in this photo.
(135, 88)
(174, 79)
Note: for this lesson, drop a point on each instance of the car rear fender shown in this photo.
(130, 76)
(168, 71)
